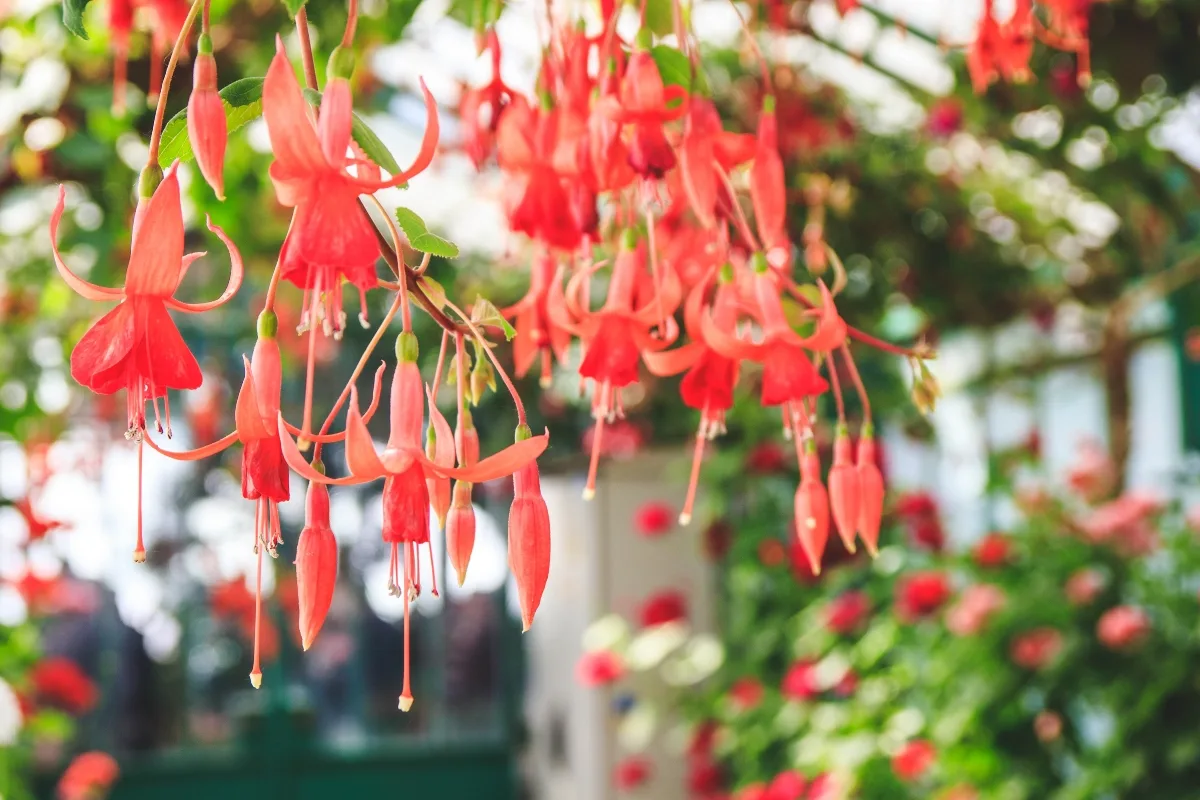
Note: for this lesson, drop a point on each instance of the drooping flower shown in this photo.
(767, 190)
(480, 109)
(529, 540)
(120, 26)
(316, 564)
(207, 127)
(812, 509)
(331, 238)
(706, 148)
(537, 335)
(913, 760)
(644, 104)
(844, 492)
(88, 777)
(136, 346)
(870, 492)
(1123, 627)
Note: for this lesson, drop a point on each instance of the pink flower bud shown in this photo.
(529, 541)
(316, 564)
(207, 129)
(843, 489)
(460, 530)
(870, 494)
(812, 512)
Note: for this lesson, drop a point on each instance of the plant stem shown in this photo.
(495, 361)
(351, 24)
(161, 108)
(306, 51)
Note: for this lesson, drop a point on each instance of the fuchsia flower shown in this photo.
(206, 124)
(88, 777)
(746, 693)
(1083, 586)
(644, 105)
(992, 551)
(59, 682)
(631, 773)
(921, 594)
(971, 613)
(331, 238)
(662, 608)
(1123, 627)
(913, 760)
(800, 681)
(847, 612)
(653, 519)
(316, 564)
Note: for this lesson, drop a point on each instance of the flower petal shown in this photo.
(163, 357)
(104, 346)
(725, 343)
(424, 156)
(236, 272)
(157, 258)
(295, 460)
(672, 362)
(247, 417)
(333, 123)
(81, 287)
(444, 443)
(293, 138)
(506, 462)
(361, 457)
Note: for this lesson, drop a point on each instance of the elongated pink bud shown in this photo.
(460, 530)
(316, 564)
(466, 440)
(529, 538)
(843, 489)
(439, 487)
(870, 492)
(812, 510)
(207, 129)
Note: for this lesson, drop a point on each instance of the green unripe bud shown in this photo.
(204, 45)
(522, 433)
(341, 63)
(268, 324)
(149, 179)
(407, 349)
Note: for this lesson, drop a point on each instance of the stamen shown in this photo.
(685, 516)
(406, 698)
(589, 491)
(256, 670)
(546, 380)
(432, 571)
(306, 423)
(410, 555)
(167, 410)
(139, 549)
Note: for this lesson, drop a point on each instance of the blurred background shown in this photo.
(1030, 629)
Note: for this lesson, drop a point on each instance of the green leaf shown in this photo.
(421, 239)
(673, 66)
(659, 17)
(364, 137)
(242, 100)
(72, 12)
(294, 6)
(483, 312)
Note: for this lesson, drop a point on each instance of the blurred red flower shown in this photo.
(1036, 648)
(921, 594)
(1083, 586)
(1123, 627)
(61, 683)
(945, 117)
(913, 760)
(631, 773)
(746, 693)
(599, 668)
(704, 777)
(755, 791)
(928, 534)
(915, 504)
(846, 684)
(788, 785)
(654, 518)
(971, 613)
(1093, 475)
(89, 777)
(1124, 524)
(823, 787)
(662, 607)
(800, 682)
(766, 457)
(702, 739)
(847, 612)
(992, 551)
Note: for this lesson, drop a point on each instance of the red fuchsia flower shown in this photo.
(1001, 50)
(89, 777)
(1123, 628)
(599, 668)
(789, 785)
(653, 519)
(800, 681)
(136, 346)
(847, 612)
(331, 238)
(914, 505)
(59, 682)
(539, 205)
(631, 773)
(921, 594)
(1048, 726)
(207, 128)
(1069, 31)
(1037, 648)
(746, 693)
(971, 613)
(706, 150)
(537, 335)
(708, 384)
(480, 109)
(844, 494)
(811, 509)
(644, 105)
(704, 736)
(662, 608)
(120, 26)
(870, 491)
(993, 551)
(1093, 475)
(404, 467)
(1084, 586)
(913, 760)
(768, 193)
(316, 564)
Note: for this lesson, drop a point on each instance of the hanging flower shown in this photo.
(993, 551)
(745, 693)
(59, 681)
(789, 785)
(1123, 628)
(921, 594)
(971, 613)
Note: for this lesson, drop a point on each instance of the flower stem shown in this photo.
(495, 361)
(161, 108)
(306, 51)
(858, 384)
(351, 24)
